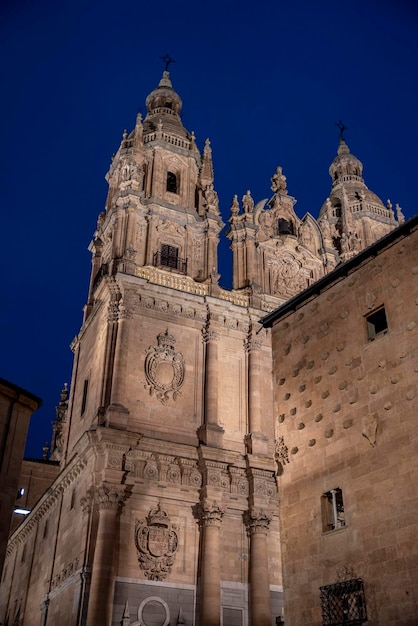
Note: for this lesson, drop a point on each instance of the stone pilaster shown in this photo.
(210, 517)
(256, 442)
(109, 499)
(211, 432)
(257, 522)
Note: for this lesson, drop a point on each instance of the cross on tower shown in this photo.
(167, 60)
(342, 128)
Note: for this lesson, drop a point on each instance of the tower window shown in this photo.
(376, 323)
(172, 182)
(85, 394)
(169, 255)
(333, 515)
(285, 227)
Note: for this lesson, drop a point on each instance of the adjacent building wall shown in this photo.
(16, 408)
(346, 418)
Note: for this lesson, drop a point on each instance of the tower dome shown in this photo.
(164, 97)
(163, 110)
(352, 211)
(345, 167)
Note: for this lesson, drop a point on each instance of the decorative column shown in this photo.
(116, 413)
(109, 499)
(210, 432)
(255, 440)
(210, 517)
(257, 524)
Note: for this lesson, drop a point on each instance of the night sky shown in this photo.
(265, 81)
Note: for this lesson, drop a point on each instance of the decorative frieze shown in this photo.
(65, 573)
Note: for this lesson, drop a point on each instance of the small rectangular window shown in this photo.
(376, 323)
(333, 515)
(85, 393)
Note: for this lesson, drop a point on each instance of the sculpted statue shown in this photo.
(278, 182)
(305, 234)
(211, 196)
(399, 214)
(235, 205)
(247, 202)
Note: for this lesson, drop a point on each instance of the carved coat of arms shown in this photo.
(156, 542)
(164, 368)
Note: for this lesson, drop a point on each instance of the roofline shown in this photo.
(340, 271)
(19, 391)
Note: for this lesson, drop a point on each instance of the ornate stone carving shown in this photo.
(257, 521)
(110, 496)
(281, 452)
(289, 276)
(210, 513)
(369, 428)
(278, 182)
(156, 542)
(65, 573)
(164, 368)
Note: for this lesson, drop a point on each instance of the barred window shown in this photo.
(169, 255)
(344, 603)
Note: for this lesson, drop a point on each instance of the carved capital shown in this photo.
(210, 513)
(108, 496)
(210, 335)
(257, 521)
(251, 345)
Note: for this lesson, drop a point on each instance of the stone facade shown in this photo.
(165, 508)
(345, 416)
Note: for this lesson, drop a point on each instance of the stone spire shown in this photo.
(206, 172)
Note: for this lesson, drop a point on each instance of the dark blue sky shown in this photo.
(265, 81)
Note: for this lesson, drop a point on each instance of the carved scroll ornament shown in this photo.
(164, 368)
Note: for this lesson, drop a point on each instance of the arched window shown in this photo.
(172, 182)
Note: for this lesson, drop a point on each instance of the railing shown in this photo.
(174, 141)
(170, 261)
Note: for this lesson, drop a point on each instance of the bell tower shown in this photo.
(162, 210)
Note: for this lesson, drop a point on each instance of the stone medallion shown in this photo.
(164, 368)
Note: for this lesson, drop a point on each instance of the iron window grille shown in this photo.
(168, 257)
(343, 603)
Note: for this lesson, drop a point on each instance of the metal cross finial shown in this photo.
(167, 60)
(342, 128)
